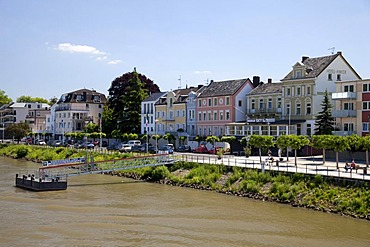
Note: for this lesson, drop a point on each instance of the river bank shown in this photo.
(343, 197)
(311, 192)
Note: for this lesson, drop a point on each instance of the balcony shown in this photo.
(344, 95)
(343, 113)
(343, 133)
(265, 111)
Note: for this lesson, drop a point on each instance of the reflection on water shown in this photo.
(101, 210)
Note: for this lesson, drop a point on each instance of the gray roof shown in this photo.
(314, 66)
(87, 96)
(154, 96)
(221, 88)
(267, 88)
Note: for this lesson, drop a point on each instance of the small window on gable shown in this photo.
(339, 77)
(330, 77)
(298, 74)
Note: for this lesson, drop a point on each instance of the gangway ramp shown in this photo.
(47, 177)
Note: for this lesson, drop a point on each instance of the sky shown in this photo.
(51, 47)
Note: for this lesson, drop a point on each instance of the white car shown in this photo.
(125, 148)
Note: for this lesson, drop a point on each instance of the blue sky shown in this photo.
(51, 47)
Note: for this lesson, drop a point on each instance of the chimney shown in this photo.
(339, 52)
(304, 58)
(269, 80)
(256, 81)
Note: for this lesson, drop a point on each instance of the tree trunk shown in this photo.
(323, 156)
(295, 157)
(260, 155)
(287, 154)
(367, 157)
(337, 158)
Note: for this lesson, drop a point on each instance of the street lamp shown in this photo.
(156, 137)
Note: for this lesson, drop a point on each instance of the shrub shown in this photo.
(21, 152)
(160, 172)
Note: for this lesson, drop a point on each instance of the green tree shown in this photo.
(18, 130)
(182, 139)
(29, 99)
(365, 143)
(53, 100)
(230, 140)
(198, 139)
(4, 99)
(212, 139)
(261, 141)
(324, 119)
(339, 144)
(168, 137)
(296, 143)
(116, 134)
(321, 142)
(126, 94)
(91, 128)
(354, 143)
(283, 142)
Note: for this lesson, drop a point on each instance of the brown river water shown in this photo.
(103, 210)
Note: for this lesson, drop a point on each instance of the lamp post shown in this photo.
(3, 131)
(156, 137)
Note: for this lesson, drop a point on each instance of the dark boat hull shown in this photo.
(37, 185)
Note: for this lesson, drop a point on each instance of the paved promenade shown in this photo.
(307, 165)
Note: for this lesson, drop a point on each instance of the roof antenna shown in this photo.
(332, 50)
(180, 82)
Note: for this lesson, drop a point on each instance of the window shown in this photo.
(348, 126)
(215, 101)
(365, 105)
(253, 104)
(215, 115)
(330, 77)
(308, 108)
(288, 91)
(209, 116)
(199, 103)
(200, 117)
(171, 101)
(221, 115)
(227, 115)
(349, 88)
(348, 106)
(298, 109)
(298, 74)
(338, 77)
(365, 127)
(298, 91)
(261, 106)
(288, 109)
(209, 102)
(279, 102)
(204, 116)
(309, 130)
(365, 87)
(270, 103)
(227, 101)
(240, 103)
(308, 90)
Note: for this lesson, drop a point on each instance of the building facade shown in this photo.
(148, 113)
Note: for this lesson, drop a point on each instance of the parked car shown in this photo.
(113, 146)
(147, 147)
(214, 150)
(165, 149)
(183, 148)
(201, 149)
(125, 148)
(40, 142)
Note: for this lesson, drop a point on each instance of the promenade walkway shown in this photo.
(307, 165)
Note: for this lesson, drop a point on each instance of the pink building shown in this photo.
(220, 103)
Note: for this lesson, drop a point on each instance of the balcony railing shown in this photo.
(344, 95)
(343, 113)
(343, 133)
(265, 111)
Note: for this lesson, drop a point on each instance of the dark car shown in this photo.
(183, 148)
(165, 149)
(147, 147)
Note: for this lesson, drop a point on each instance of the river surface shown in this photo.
(103, 210)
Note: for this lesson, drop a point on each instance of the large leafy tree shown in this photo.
(125, 96)
(18, 130)
(324, 119)
(4, 99)
(283, 142)
(29, 99)
(322, 142)
(259, 141)
(296, 143)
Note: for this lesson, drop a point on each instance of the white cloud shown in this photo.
(102, 58)
(202, 72)
(117, 61)
(68, 47)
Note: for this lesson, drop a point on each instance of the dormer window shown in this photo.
(330, 77)
(339, 77)
(297, 74)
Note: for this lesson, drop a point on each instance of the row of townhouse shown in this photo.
(72, 112)
(244, 107)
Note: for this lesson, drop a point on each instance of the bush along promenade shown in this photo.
(332, 195)
(313, 192)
